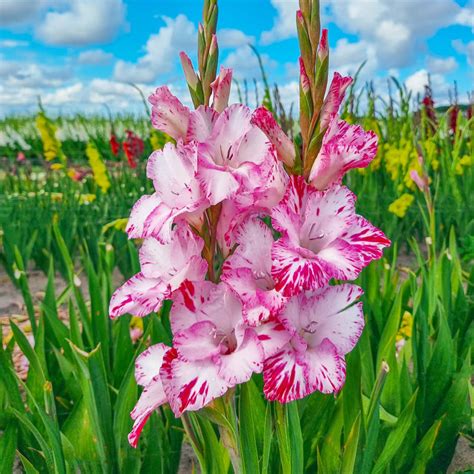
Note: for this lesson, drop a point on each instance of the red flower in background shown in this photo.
(453, 118)
(133, 146)
(114, 144)
(428, 105)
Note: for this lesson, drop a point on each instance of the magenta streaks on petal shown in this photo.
(168, 114)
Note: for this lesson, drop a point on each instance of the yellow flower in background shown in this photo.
(406, 327)
(99, 169)
(87, 198)
(400, 206)
(392, 161)
(158, 139)
(51, 145)
(56, 197)
(57, 166)
(117, 224)
(464, 162)
(136, 323)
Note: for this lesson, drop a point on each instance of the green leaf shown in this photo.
(49, 421)
(247, 429)
(25, 289)
(46, 450)
(78, 428)
(267, 440)
(349, 455)
(331, 449)
(8, 379)
(92, 403)
(396, 437)
(27, 466)
(352, 391)
(424, 449)
(8, 442)
(296, 438)
(372, 422)
(440, 370)
(388, 337)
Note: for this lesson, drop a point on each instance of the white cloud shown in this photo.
(161, 51)
(441, 65)
(13, 44)
(284, 25)
(231, 38)
(83, 22)
(466, 16)
(418, 80)
(244, 62)
(97, 57)
(17, 75)
(64, 95)
(466, 49)
(347, 57)
(396, 31)
(17, 11)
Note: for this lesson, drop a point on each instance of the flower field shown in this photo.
(200, 262)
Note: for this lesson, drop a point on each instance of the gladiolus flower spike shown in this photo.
(246, 249)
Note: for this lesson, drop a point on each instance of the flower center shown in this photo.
(315, 240)
(227, 342)
(263, 280)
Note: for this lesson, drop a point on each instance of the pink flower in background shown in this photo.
(344, 147)
(422, 182)
(20, 157)
(322, 238)
(164, 267)
(214, 349)
(248, 272)
(323, 327)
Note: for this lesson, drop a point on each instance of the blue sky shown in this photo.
(78, 54)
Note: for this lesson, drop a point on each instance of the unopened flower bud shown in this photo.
(213, 48)
(323, 48)
(421, 182)
(191, 76)
(221, 89)
(305, 84)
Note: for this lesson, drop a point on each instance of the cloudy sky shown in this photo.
(79, 54)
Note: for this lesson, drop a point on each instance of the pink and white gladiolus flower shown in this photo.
(163, 268)
(248, 272)
(178, 194)
(344, 147)
(246, 233)
(324, 326)
(214, 348)
(322, 238)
